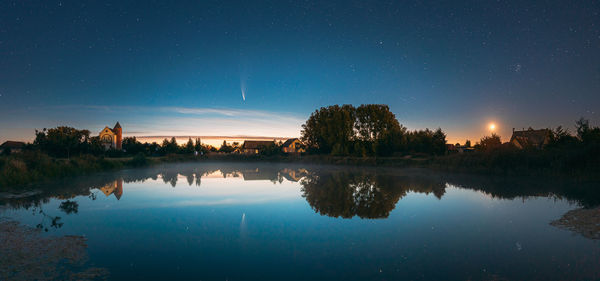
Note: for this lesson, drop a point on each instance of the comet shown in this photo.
(243, 89)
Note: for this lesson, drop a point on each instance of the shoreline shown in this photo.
(20, 171)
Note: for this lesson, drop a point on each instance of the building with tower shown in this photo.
(112, 138)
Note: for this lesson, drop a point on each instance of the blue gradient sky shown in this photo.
(179, 68)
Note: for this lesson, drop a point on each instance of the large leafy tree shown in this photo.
(370, 129)
(330, 129)
(62, 141)
(378, 130)
(492, 142)
(373, 121)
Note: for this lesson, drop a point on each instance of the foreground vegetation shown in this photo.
(34, 166)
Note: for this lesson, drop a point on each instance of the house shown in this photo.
(12, 146)
(457, 148)
(254, 147)
(112, 138)
(530, 138)
(451, 148)
(464, 148)
(293, 146)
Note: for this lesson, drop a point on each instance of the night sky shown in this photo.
(261, 68)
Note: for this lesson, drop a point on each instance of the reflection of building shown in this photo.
(293, 146)
(293, 175)
(255, 147)
(115, 188)
(256, 174)
(112, 138)
(530, 138)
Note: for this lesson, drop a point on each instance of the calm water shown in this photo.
(219, 221)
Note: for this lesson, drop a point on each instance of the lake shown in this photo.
(265, 221)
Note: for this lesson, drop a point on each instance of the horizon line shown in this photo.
(220, 137)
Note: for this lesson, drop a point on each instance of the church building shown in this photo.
(112, 138)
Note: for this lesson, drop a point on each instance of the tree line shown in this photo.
(367, 130)
(64, 142)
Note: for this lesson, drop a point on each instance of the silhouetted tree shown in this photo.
(439, 142)
(273, 148)
(370, 129)
(330, 129)
(226, 148)
(132, 146)
(199, 147)
(62, 141)
(561, 137)
(189, 146)
(488, 143)
(586, 133)
(169, 147)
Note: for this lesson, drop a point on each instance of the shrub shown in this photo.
(139, 160)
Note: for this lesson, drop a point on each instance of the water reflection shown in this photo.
(115, 187)
(366, 195)
(332, 191)
(244, 220)
(69, 207)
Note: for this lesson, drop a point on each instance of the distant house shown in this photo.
(464, 148)
(458, 148)
(12, 146)
(293, 146)
(255, 147)
(112, 138)
(451, 148)
(530, 138)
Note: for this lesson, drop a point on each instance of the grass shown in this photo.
(19, 169)
(28, 167)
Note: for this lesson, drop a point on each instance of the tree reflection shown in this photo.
(54, 221)
(356, 193)
(330, 190)
(69, 207)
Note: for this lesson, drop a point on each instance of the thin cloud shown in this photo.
(228, 112)
(160, 121)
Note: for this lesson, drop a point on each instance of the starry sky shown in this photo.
(261, 67)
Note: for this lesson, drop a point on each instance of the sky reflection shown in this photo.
(267, 221)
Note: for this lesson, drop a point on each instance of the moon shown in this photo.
(492, 126)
